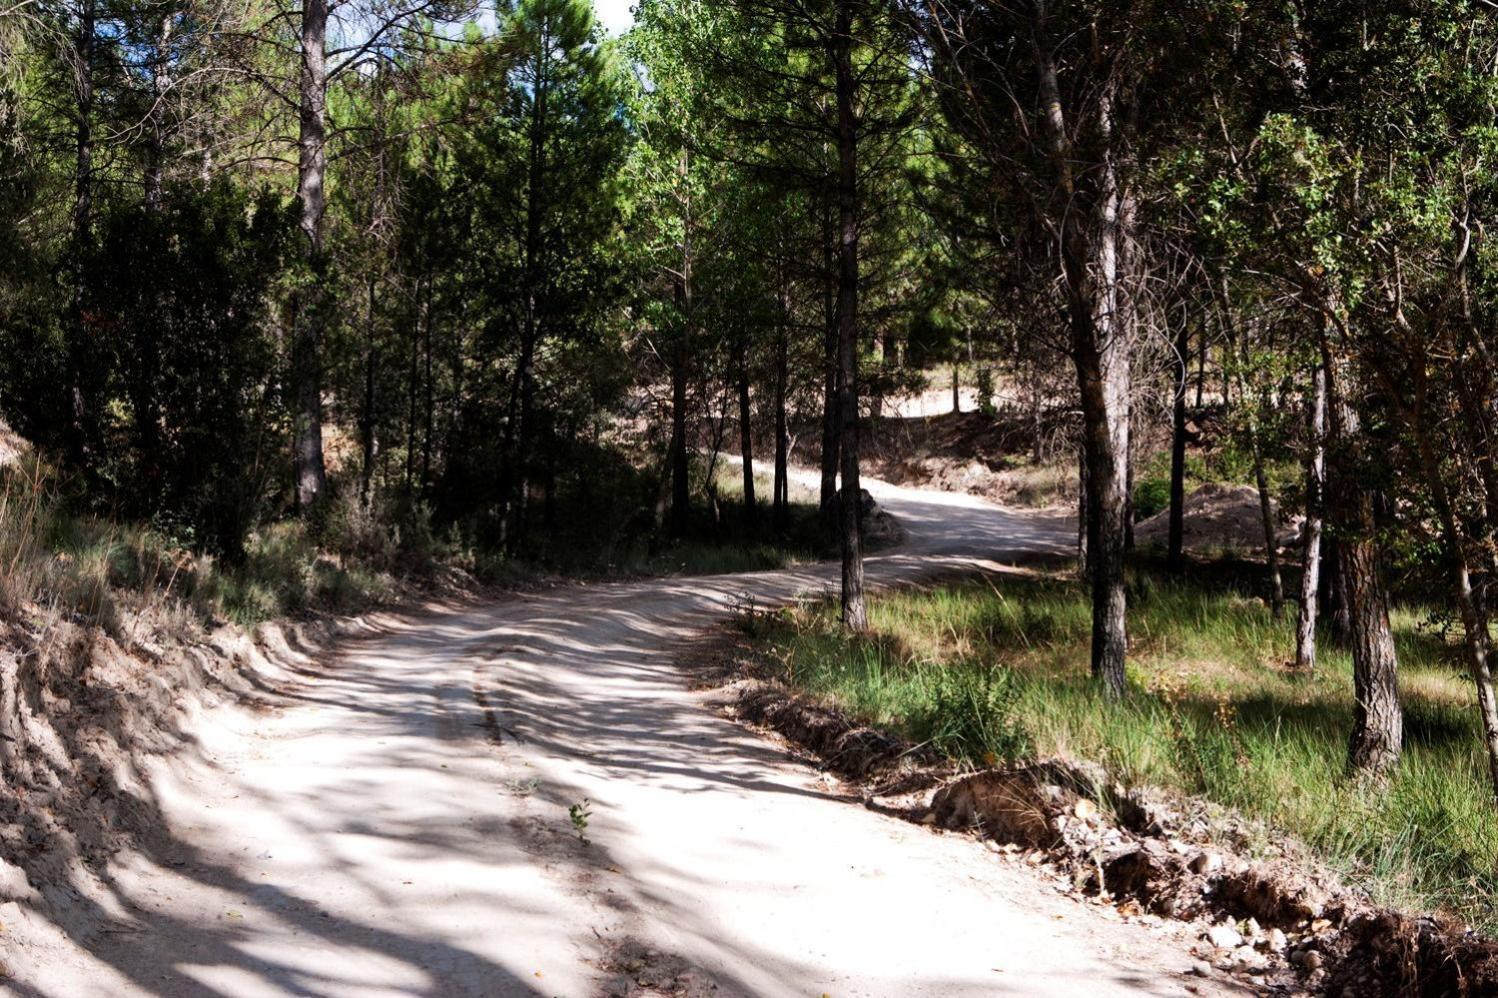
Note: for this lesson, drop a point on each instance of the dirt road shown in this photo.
(401, 827)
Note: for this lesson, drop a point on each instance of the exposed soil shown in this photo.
(82, 713)
(1281, 923)
(992, 456)
(1220, 517)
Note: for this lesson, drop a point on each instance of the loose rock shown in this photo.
(1224, 937)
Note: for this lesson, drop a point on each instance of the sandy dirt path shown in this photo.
(401, 827)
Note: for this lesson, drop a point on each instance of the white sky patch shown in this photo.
(615, 15)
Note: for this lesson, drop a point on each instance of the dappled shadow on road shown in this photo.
(401, 824)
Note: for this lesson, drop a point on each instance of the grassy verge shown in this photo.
(54, 561)
(986, 672)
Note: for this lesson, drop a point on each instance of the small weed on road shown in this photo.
(580, 813)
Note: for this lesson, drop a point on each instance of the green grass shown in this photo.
(56, 561)
(987, 672)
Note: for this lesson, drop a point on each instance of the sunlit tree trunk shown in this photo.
(831, 377)
(1310, 575)
(746, 433)
(1175, 543)
(310, 306)
(1378, 723)
(854, 612)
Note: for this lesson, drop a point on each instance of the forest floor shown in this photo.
(524, 796)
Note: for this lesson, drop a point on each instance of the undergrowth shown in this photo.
(98, 571)
(987, 672)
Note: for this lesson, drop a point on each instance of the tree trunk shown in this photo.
(310, 306)
(1094, 242)
(1037, 423)
(1175, 545)
(1104, 382)
(367, 422)
(782, 504)
(1337, 620)
(430, 400)
(1271, 545)
(1477, 643)
(1129, 488)
(956, 388)
(518, 460)
(1254, 406)
(1310, 574)
(81, 429)
(1201, 368)
(746, 437)
(412, 368)
(855, 614)
(831, 380)
(161, 82)
(680, 485)
(1101, 347)
(1377, 733)
(1082, 515)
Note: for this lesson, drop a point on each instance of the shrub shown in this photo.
(1151, 495)
(971, 714)
(985, 390)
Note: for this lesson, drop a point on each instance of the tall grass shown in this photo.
(94, 570)
(55, 561)
(1213, 711)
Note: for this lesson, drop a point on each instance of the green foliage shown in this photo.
(972, 715)
(983, 384)
(579, 814)
(192, 358)
(993, 672)
(1151, 494)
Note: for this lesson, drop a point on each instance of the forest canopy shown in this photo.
(488, 273)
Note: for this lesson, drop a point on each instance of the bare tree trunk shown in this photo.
(782, 507)
(1271, 544)
(1083, 517)
(1253, 406)
(831, 379)
(1104, 381)
(80, 430)
(1335, 610)
(1037, 424)
(161, 82)
(521, 428)
(1101, 345)
(746, 436)
(680, 483)
(681, 490)
(367, 422)
(1094, 259)
(1175, 545)
(1129, 487)
(956, 390)
(854, 612)
(426, 430)
(413, 361)
(1378, 724)
(1310, 575)
(311, 307)
(1201, 368)
(1477, 643)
